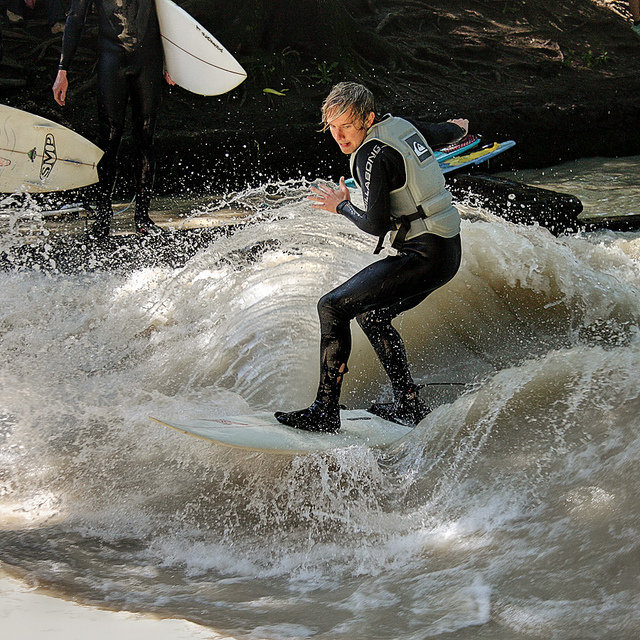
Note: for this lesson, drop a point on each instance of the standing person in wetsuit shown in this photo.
(404, 191)
(130, 66)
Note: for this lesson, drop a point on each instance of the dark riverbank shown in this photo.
(561, 80)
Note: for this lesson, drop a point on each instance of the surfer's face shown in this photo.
(349, 132)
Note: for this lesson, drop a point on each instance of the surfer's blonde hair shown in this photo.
(347, 97)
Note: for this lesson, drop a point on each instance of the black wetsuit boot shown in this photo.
(324, 414)
(407, 407)
(99, 230)
(145, 170)
(321, 417)
(143, 222)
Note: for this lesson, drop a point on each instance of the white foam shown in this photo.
(539, 452)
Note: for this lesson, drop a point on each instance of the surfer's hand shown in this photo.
(344, 190)
(60, 87)
(463, 123)
(327, 198)
(168, 79)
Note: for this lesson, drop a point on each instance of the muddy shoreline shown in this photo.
(562, 81)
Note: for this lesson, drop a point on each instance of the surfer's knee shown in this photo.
(326, 305)
(331, 308)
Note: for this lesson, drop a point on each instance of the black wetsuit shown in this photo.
(386, 288)
(130, 66)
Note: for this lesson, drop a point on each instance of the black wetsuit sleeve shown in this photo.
(73, 31)
(437, 134)
(379, 169)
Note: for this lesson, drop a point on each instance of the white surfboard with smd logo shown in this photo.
(38, 155)
(195, 60)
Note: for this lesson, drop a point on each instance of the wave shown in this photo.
(526, 469)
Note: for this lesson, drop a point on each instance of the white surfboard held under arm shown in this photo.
(38, 155)
(194, 59)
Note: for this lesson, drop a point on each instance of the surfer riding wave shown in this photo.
(404, 191)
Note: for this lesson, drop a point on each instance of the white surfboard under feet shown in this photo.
(39, 155)
(194, 59)
(262, 432)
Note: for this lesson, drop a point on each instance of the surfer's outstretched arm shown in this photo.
(437, 134)
(379, 170)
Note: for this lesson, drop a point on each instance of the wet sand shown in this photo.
(28, 614)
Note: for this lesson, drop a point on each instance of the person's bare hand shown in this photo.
(60, 87)
(327, 198)
(463, 123)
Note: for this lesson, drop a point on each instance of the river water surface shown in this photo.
(512, 511)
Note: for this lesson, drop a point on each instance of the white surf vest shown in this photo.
(422, 204)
